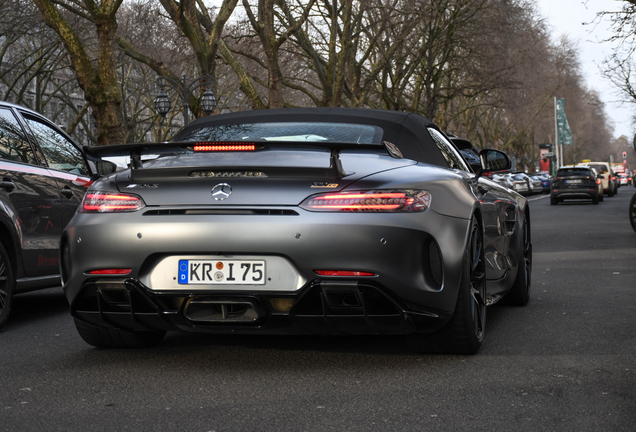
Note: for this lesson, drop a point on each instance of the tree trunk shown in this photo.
(99, 84)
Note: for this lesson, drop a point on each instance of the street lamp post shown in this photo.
(184, 89)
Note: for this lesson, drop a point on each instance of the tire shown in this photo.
(610, 192)
(7, 284)
(632, 212)
(464, 333)
(117, 338)
(595, 199)
(519, 294)
(553, 201)
(601, 197)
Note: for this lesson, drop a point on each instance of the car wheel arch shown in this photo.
(9, 240)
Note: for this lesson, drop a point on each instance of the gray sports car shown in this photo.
(297, 221)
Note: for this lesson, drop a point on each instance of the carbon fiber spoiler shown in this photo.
(139, 173)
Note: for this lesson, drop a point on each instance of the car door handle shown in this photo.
(7, 184)
(67, 192)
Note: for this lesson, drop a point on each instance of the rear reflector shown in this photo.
(110, 272)
(343, 273)
(224, 147)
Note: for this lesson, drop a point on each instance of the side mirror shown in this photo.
(494, 160)
(105, 167)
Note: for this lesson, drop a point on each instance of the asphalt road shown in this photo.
(565, 362)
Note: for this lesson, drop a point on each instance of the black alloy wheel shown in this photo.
(519, 294)
(632, 212)
(477, 282)
(6, 285)
(465, 331)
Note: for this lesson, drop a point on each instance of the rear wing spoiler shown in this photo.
(139, 173)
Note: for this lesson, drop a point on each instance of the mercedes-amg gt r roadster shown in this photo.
(297, 221)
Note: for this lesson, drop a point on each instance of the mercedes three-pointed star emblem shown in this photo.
(221, 191)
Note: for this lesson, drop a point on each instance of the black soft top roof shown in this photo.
(406, 130)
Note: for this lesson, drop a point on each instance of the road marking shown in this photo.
(538, 198)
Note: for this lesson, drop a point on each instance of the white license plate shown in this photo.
(573, 181)
(222, 272)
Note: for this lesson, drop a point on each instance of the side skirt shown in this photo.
(35, 283)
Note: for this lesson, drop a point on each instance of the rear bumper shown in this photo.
(321, 307)
(571, 193)
(399, 249)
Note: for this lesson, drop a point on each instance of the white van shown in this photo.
(605, 173)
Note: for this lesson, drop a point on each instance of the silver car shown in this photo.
(299, 221)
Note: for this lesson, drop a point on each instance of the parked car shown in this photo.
(536, 186)
(43, 178)
(522, 183)
(518, 185)
(545, 180)
(577, 182)
(504, 180)
(298, 221)
(607, 176)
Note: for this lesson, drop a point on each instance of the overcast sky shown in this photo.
(568, 17)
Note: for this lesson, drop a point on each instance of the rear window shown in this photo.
(574, 172)
(289, 131)
(599, 168)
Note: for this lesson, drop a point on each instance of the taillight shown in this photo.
(387, 201)
(110, 202)
(598, 181)
(224, 147)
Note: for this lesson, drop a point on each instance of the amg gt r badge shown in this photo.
(221, 191)
(143, 186)
(324, 185)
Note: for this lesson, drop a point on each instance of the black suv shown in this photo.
(43, 178)
(574, 182)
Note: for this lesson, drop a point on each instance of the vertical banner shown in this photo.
(563, 128)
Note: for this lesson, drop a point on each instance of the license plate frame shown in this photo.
(573, 181)
(223, 272)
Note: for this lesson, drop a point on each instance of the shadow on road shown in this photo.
(36, 306)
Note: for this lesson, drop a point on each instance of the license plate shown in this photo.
(573, 181)
(222, 272)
